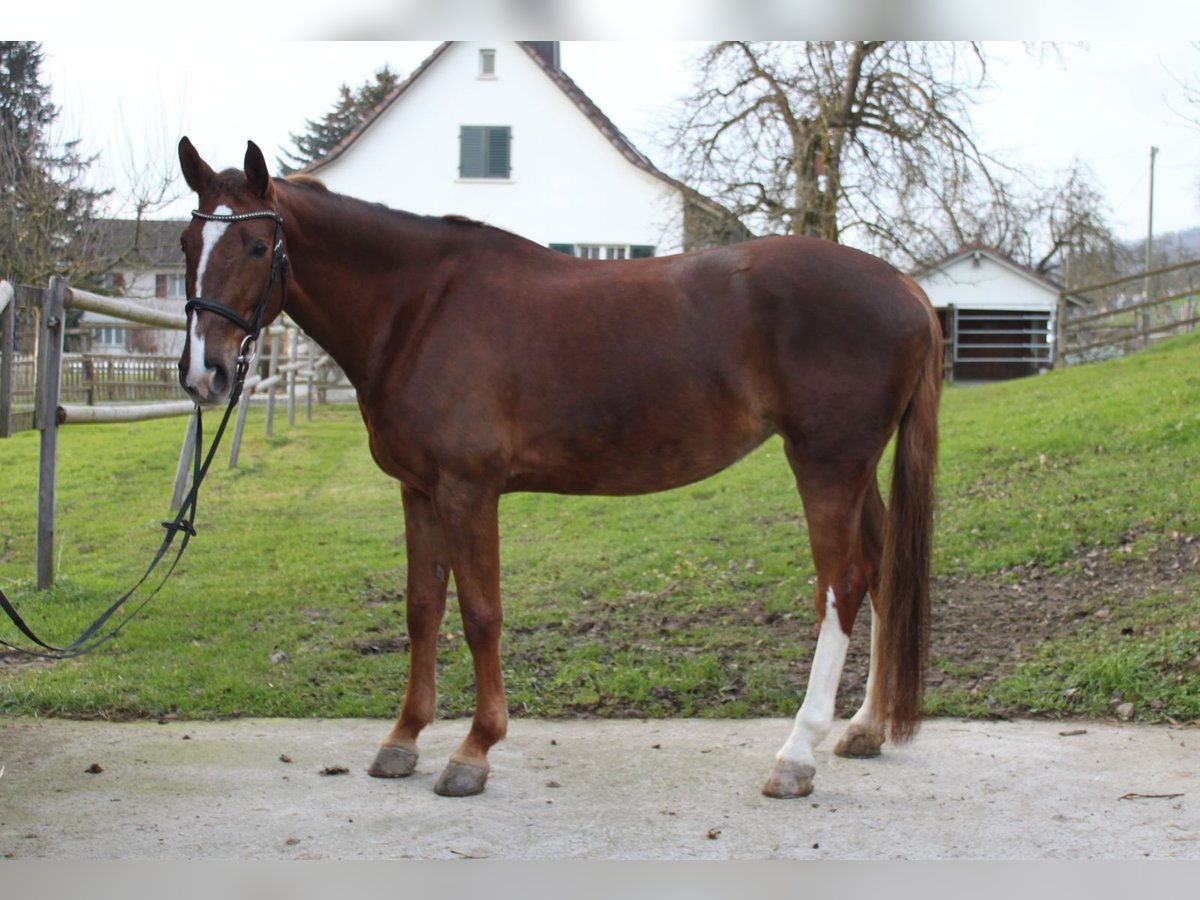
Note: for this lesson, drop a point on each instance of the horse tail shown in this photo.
(903, 647)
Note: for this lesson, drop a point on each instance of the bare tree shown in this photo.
(830, 138)
(1066, 234)
(1190, 84)
(870, 142)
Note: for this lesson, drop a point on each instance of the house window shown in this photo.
(487, 63)
(110, 338)
(484, 151)
(166, 285)
(605, 251)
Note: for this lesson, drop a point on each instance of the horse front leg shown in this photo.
(470, 517)
(428, 576)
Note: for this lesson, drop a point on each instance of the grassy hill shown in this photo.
(1065, 500)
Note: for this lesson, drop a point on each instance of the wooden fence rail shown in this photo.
(1128, 320)
(104, 386)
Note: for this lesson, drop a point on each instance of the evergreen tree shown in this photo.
(351, 109)
(46, 205)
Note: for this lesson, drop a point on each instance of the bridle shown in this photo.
(279, 270)
(185, 517)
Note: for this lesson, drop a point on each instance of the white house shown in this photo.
(148, 267)
(998, 317)
(497, 132)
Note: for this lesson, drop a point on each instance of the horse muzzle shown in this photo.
(208, 384)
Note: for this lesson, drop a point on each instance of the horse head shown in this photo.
(235, 268)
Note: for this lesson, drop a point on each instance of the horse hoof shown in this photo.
(859, 743)
(393, 762)
(461, 780)
(788, 780)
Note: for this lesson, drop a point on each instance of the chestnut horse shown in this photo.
(485, 363)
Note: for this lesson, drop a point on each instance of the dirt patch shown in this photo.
(984, 626)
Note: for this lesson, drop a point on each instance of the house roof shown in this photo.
(145, 243)
(573, 92)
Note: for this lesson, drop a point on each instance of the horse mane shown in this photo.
(310, 181)
(464, 220)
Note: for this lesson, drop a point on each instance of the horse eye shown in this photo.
(260, 250)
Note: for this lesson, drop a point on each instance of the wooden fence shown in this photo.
(1127, 314)
(43, 388)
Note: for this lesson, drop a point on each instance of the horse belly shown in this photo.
(637, 449)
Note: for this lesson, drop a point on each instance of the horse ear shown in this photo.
(256, 170)
(196, 172)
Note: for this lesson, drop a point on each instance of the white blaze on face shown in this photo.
(199, 376)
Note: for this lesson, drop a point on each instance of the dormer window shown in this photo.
(487, 63)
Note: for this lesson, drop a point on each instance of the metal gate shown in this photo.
(989, 344)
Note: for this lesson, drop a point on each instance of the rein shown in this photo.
(185, 518)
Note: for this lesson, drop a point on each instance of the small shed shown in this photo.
(998, 317)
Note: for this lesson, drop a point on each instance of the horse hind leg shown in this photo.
(864, 736)
(428, 576)
(834, 516)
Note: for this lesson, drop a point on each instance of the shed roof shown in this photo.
(968, 250)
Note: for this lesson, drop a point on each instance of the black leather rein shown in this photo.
(184, 521)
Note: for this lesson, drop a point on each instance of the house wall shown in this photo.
(569, 184)
(139, 285)
(988, 285)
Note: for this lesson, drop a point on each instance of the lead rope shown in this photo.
(184, 522)
(185, 518)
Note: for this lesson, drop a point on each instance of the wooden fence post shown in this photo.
(272, 370)
(235, 445)
(8, 332)
(310, 380)
(50, 349)
(1060, 333)
(184, 470)
(293, 363)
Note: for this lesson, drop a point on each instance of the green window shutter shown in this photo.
(498, 140)
(640, 251)
(470, 157)
(568, 249)
(484, 151)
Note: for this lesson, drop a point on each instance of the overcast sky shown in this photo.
(1106, 104)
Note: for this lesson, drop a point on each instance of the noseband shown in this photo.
(279, 267)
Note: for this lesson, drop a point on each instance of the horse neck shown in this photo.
(351, 289)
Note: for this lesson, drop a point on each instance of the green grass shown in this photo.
(1040, 469)
(695, 602)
